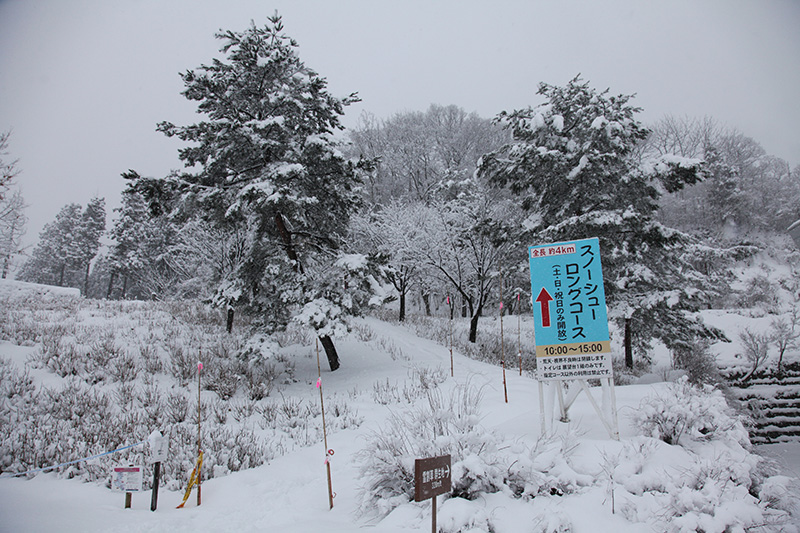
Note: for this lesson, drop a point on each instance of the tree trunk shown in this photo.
(288, 245)
(330, 351)
(86, 281)
(402, 306)
(61, 275)
(124, 287)
(426, 299)
(286, 237)
(628, 347)
(111, 278)
(473, 322)
(473, 327)
(229, 320)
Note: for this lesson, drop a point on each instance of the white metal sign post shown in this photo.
(570, 320)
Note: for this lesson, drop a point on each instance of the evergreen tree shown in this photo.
(67, 247)
(574, 163)
(54, 255)
(264, 163)
(146, 260)
(92, 228)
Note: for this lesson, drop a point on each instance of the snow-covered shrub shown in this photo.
(755, 349)
(123, 367)
(150, 360)
(781, 493)
(718, 495)
(438, 427)
(341, 416)
(242, 409)
(14, 383)
(176, 407)
(385, 393)
(390, 347)
(760, 292)
(269, 414)
(150, 400)
(687, 411)
(263, 369)
(698, 361)
(481, 461)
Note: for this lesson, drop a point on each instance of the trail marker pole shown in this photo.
(450, 308)
(199, 446)
(519, 334)
(503, 354)
(328, 452)
(502, 342)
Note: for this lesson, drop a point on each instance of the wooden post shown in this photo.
(156, 479)
(433, 515)
(199, 447)
(502, 343)
(127, 500)
(328, 452)
(450, 309)
(503, 353)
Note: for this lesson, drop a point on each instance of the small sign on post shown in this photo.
(432, 478)
(127, 479)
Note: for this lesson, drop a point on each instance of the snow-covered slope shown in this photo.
(576, 478)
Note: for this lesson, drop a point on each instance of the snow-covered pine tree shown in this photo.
(67, 246)
(573, 164)
(92, 228)
(139, 258)
(264, 162)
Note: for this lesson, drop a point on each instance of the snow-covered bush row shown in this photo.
(690, 412)
(706, 480)
(56, 425)
(482, 462)
(116, 371)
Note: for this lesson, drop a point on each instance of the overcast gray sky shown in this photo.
(84, 82)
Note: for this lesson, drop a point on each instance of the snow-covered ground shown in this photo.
(638, 484)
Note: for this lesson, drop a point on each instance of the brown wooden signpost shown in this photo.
(431, 478)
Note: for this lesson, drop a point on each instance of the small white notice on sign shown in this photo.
(126, 478)
(158, 446)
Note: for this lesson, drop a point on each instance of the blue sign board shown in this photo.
(569, 310)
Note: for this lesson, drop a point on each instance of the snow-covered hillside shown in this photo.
(391, 385)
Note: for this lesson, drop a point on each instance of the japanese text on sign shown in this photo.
(432, 477)
(570, 319)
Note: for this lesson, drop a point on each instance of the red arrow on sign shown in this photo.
(544, 299)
